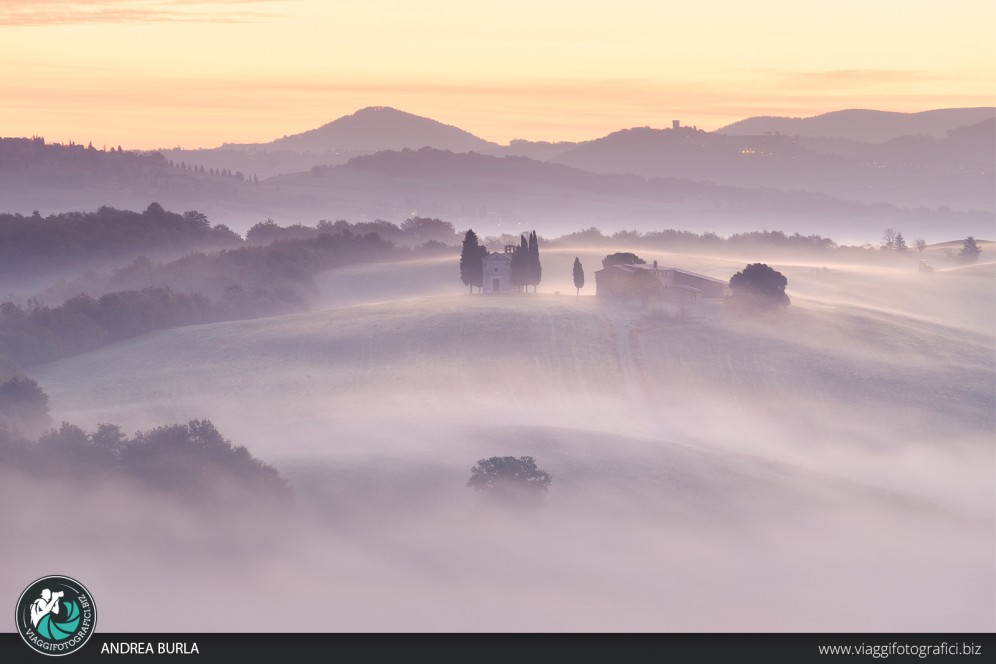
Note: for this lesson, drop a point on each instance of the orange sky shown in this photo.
(160, 73)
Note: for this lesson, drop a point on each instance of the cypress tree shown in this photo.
(535, 269)
(471, 257)
(520, 264)
(578, 275)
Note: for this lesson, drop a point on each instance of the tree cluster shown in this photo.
(413, 232)
(31, 245)
(670, 238)
(622, 258)
(526, 268)
(37, 333)
(216, 172)
(23, 407)
(191, 461)
(893, 240)
(970, 250)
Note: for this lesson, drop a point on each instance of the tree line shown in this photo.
(52, 161)
(414, 231)
(35, 245)
(671, 237)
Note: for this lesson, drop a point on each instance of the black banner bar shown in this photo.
(518, 648)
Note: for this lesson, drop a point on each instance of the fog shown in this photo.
(826, 467)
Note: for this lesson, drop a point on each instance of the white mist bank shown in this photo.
(827, 468)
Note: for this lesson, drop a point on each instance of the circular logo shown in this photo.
(56, 615)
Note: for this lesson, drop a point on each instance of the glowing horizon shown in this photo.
(199, 73)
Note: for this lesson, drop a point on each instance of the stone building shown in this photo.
(498, 272)
(621, 282)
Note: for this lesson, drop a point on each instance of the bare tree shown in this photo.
(889, 239)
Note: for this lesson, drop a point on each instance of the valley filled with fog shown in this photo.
(828, 466)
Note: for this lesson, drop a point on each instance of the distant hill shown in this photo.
(495, 194)
(542, 150)
(940, 158)
(509, 193)
(910, 171)
(366, 131)
(382, 128)
(54, 178)
(863, 125)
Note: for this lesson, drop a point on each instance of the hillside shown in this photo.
(849, 434)
(558, 359)
(863, 125)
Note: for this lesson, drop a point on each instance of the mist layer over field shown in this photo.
(828, 467)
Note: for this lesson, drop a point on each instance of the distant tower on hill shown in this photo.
(675, 124)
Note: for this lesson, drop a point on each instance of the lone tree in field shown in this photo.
(510, 481)
(758, 286)
(919, 245)
(471, 268)
(578, 276)
(970, 250)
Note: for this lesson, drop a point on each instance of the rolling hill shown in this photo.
(698, 463)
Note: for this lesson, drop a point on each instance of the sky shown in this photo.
(194, 73)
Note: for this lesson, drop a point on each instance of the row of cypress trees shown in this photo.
(526, 268)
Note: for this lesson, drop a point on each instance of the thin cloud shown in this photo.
(29, 13)
(845, 78)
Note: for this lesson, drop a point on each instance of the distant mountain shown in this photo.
(379, 128)
(366, 131)
(904, 159)
(863, 125)
(910, 171)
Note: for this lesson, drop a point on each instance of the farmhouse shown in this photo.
(628, 281)
(498, 271)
